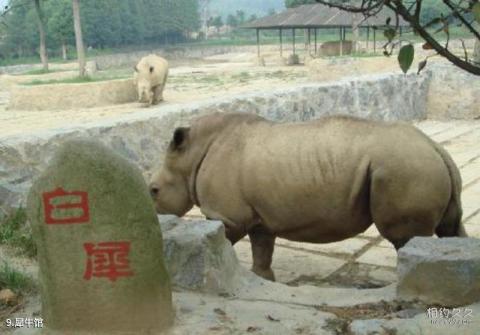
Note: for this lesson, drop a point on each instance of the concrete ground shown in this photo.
(368, 260)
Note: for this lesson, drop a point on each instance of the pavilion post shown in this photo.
(368, 36)
(315, 42)
(374, 40)
(308, 40)
(258, 43)
(341, 41)
(293, 33)
(281, 42)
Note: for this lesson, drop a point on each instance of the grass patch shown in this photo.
(14, 280)
(38, 72)
(73, 80)
(16, 232)
(277, 74)
(196, 79)
(242, 76)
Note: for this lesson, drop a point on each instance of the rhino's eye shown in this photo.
(154, 190)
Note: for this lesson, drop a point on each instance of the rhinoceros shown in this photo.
(150, 78)
(319, 181)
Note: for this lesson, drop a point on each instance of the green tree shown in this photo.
(60, 23)
(132, 27)
(296, 3)
(105, 23)
(20, 30)
(79, 37)
(240, 16)
(101, 23)
(42, 33)
(252, 17)
(216, 21)
(232, 20)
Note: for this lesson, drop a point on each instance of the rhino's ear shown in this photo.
(179, 138)
(151, 69)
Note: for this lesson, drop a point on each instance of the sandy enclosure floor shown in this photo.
(186, 84)
(190, 81)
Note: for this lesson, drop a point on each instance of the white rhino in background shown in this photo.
(150, 77)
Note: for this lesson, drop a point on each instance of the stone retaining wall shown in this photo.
(142, 137)
(172, 53)
(453, 94)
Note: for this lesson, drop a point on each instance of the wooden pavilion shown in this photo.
(316, 17)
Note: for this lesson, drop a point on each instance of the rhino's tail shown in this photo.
(451, 223)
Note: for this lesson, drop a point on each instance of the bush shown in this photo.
(15, 231)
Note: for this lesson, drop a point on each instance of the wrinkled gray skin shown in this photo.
(320, 181)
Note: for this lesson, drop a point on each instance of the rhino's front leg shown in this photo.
(233, 231)
(263, 243)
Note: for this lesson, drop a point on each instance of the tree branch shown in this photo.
(400, 9)
(462, 19)
(413, 19)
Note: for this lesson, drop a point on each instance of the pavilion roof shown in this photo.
(320, 16)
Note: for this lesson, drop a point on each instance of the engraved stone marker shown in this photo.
(99, 245)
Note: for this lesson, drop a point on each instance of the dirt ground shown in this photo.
(189, 81)
(201, 80)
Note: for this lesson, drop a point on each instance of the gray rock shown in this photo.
(99, 245)
(442, 271)
(198, 256)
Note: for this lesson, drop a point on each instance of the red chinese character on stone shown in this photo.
(61, 207)
(107, 259)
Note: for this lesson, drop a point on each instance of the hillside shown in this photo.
(259, 8)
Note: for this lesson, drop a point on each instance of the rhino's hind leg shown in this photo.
(263, 243)
(407, 202)
(398, 243)
(158, 94)
(400, 231)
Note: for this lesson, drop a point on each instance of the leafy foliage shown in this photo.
(14, 280)
(296, 3)
(16, 232)
(476, 11)
(250, 7)
(105, 23)
(405, 57)
(427, 19)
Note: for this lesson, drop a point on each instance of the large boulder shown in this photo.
(442, 271)
(198, 255)
(99, 245)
